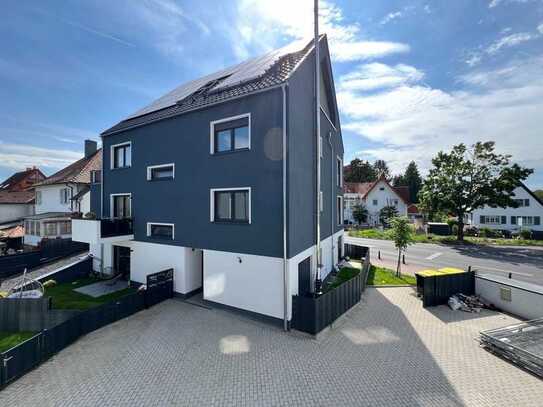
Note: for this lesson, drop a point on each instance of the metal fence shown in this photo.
(312, 314)
(16, 361)
(49, 250)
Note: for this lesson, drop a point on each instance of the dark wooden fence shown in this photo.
(16, 361)
(312, 314)
(49, 250)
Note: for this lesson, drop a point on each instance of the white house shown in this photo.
(528, 215)
(374, 196)
(60, 195)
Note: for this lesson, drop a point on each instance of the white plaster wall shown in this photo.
(193, 269)
(86, 230)
(535, 209)
(9, 212)
(85, 203)
(50, 199)
(384, 198)
(255, 284)
(526, 303)
(94, 250)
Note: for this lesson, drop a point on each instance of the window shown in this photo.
(121, 206)
(493, 219)
(65, 195)
(526, 220)
(50, 228)
(160, 172)
(339, 172)
(96, 176)
(231, 134)
(395, 202)
(339, 210)
(375, 202)
(65, 227)
(38, 197)
(160, 230)
(121, 155)
(231, 205)
(522, 202)
(37, 228)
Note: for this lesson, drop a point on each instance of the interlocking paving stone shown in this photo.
(387, 351)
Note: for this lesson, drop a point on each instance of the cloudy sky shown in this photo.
(412, 77)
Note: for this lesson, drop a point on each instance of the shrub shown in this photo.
(90, 215)
(487, 232)
(525, 234)
(452, 222)
(49, 283)
(454, 229)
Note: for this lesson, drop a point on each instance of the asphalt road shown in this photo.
(525, 263)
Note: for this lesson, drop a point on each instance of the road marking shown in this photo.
(434, 256)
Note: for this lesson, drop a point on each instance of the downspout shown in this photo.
(285, 264)
(318, 149)
(333, 161)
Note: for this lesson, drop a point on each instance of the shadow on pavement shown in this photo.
(514, 255)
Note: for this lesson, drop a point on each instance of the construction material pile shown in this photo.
(522, 344)
(468, 303)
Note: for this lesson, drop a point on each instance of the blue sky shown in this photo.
(412, 77)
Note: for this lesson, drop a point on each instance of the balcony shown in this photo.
(94, 231)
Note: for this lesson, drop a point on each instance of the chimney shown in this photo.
(90, 147)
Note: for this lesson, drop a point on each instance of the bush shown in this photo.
(90, 215)
(49, 284)
(454, 229)
(452, 222)
(525, 234)
(491, 233)
(472, 231)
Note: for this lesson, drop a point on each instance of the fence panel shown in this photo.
(159, 287)
(18, 360)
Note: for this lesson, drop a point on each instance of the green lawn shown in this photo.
(384, 276)
(346, 273)
(385, 235)
(8, 339)
(64, 296)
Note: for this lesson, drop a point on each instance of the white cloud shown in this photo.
(474, 59)
(20, 156)
(391, 16)
(261, 24)
(509, 41)
(540, 28)
(495, 3)
(412, 121)
(377, 75)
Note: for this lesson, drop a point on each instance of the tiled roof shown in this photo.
(243, 79)
(78, 172)
(403, 192)
(363, 188)
(19, 197)
(13, 232)
(16, 178)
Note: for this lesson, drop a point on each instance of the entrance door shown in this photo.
(304, 276)
(121, 261)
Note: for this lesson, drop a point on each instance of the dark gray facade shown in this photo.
(185, 201)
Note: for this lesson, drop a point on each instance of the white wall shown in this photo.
(526, 299)
(50, 199)
(385, 197)
(535, 209)
(85, 203)
(9, 212)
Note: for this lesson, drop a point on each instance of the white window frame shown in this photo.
(340, 175)
(112, 156)
(212, 201)
(149, 224)
(151, 167)
(65, 195)
(227, 119)
(111, 201)
(493, 220)
(38, 198)
(339, 216)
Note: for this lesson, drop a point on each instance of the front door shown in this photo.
(121, 261)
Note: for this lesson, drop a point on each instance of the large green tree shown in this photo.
(539, 193)
(360, 213)
(411, 179)
(386, 213)
(360, 171)
(466, 179)
(381, 169)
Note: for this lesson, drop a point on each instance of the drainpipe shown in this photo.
(285, 264)
(318, 149)
(333, 161)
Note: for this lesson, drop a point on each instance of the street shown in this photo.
(524, 263)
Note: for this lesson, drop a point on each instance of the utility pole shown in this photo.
(318, 149)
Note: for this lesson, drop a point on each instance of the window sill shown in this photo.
(162, 238)
(239, 150)
(230, 222)
(120, 168)
(161, 179)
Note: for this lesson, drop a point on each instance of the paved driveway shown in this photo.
(388, 351)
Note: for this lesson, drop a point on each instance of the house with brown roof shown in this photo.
(60, 195)
(374, 196)
(14, 206)
(22, 180)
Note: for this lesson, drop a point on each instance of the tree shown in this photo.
(539, 193)
(381, 169)
(470, 178)
(360, 171)
(360, 213)
(402, 236)
(399, 181)
(386, 213)
(413, 181)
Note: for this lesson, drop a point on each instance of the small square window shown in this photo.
(122, 156)
(160, 230)
(231, 134)
(231, 206)
(375, 202)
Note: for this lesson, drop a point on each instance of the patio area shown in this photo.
(387, 351)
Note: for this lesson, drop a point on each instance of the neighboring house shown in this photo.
(15, 205)
(60, 195)
(374, 196)
(197, 182)
(528, 215)
(23, 180)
